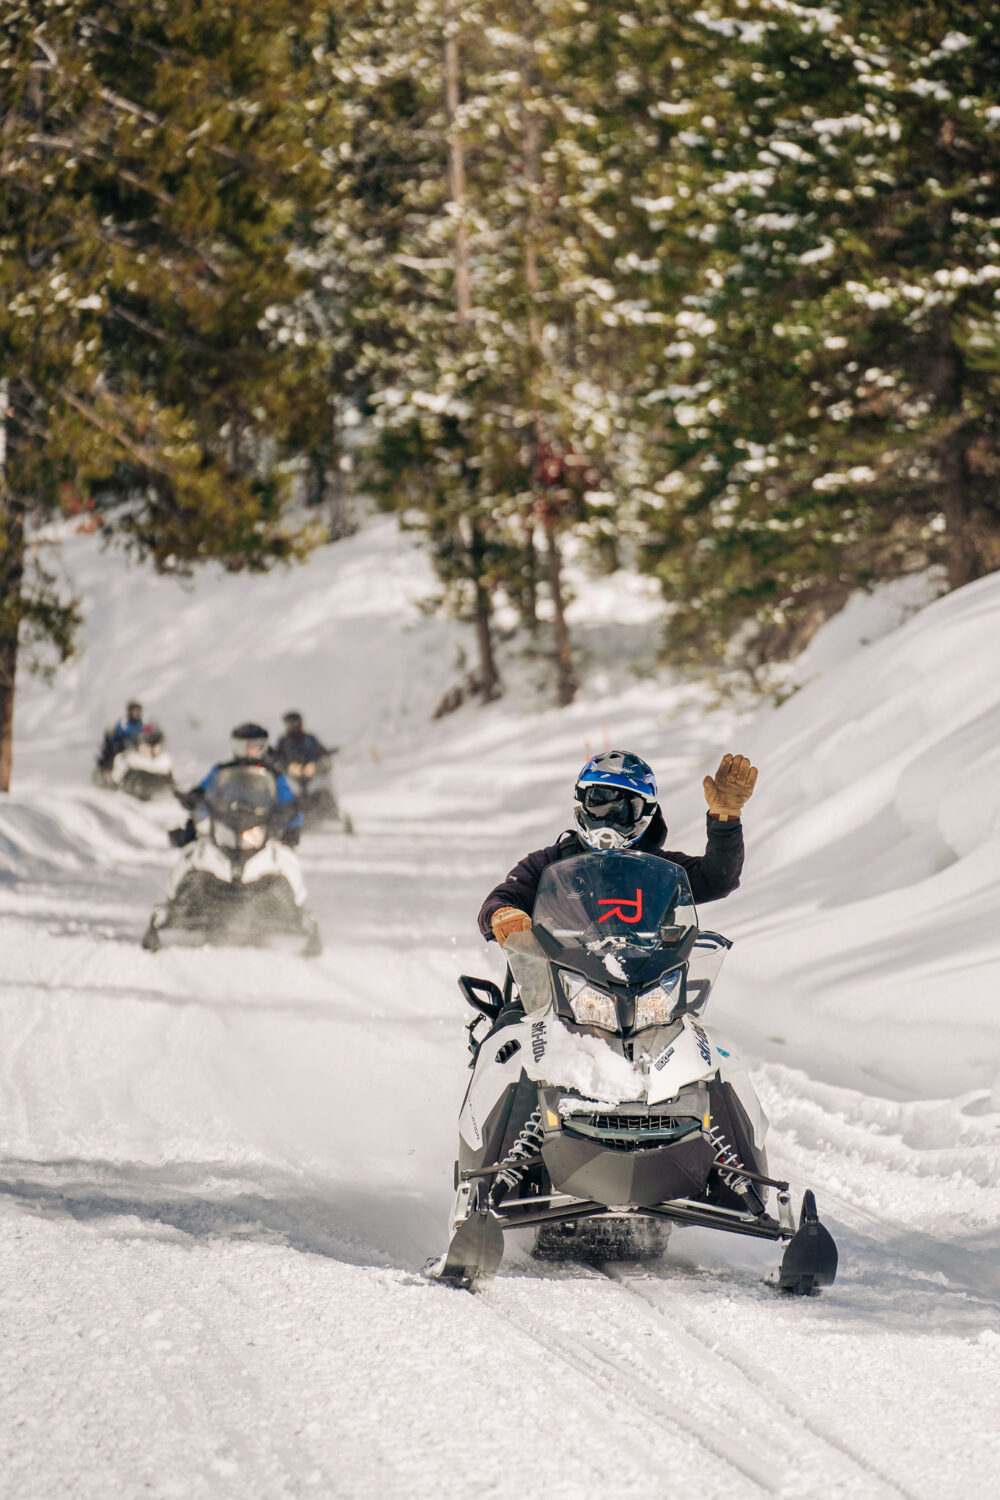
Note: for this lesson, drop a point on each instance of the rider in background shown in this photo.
(127, 731)
(249, 744)
(296, 747)
(616, 807)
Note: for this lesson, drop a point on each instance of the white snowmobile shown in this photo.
(145, 769)
(312, 783)
(599, 1100)
(237, 883)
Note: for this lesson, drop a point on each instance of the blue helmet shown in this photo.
(615, 800)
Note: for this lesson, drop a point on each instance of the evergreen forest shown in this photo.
(708, 290)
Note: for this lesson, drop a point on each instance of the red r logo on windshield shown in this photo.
(618, 908)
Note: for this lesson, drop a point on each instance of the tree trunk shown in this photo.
(530, 610)
(456, 166)
(489, 678)
(532, 148)
(962, 554)
(11, 574)
(566, 683)
(963, 559)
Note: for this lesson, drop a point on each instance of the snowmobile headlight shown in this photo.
(590, 1006)
(655, 1006)
(226, 837)
(253, 838)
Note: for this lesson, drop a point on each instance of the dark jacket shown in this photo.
(712, 874)
(298, 749)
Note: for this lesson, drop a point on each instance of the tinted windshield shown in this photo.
(247, 794)
(623, 903)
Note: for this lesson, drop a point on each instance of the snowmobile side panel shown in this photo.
(276, 859)
(689, 1057)
(498, 1064)
(203, 856)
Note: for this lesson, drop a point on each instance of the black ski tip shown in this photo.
(810, 1258)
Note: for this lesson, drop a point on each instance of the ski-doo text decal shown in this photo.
(704, 1045)
(538, 1040)
(618, 907)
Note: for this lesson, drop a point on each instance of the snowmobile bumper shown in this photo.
(144, 785)
(587, 1168)
(232, 929)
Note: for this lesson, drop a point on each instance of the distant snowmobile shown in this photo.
(143, 770)
(237, 883)
(598, 1099)
(312, 783)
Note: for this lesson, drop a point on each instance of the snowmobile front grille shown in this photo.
(632, 1132)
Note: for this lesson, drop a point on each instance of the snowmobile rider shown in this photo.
(617, 808)
(249, 744)
(296, 747)
(127, 731)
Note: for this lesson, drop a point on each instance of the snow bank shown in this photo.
(870, 914)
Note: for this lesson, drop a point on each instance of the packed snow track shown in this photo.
(223, 1170)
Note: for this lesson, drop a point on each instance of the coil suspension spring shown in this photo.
(529, 1139)
(727, 1162)
(731, 1170)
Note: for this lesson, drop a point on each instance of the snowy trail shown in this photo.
(220, 1181)
(221, 1171)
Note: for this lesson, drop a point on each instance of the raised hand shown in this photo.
(730, 787)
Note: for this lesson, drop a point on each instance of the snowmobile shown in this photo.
(312, 783)
(599, 1099)
(145, 769)
(236, 883)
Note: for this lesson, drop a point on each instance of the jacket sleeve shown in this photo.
(289, 802)
(519, 889)
(716, 872)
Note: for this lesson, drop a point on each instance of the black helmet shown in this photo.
(249, 742)
(133, 710)
(293, 721)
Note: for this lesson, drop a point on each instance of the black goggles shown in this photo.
(614, 803)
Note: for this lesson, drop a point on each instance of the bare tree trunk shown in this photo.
(488, 674)
(11, 575)
(530, 609)
(456, 165)
(565, 673)
(566, 683)
(489, 678)
(962, 552)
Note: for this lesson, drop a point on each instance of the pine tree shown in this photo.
(156, 167)
(823, 423)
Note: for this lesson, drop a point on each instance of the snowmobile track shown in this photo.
(584, 1358)
(759, 1382)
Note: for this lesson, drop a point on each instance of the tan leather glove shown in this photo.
(730, 787)
(507, 920)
